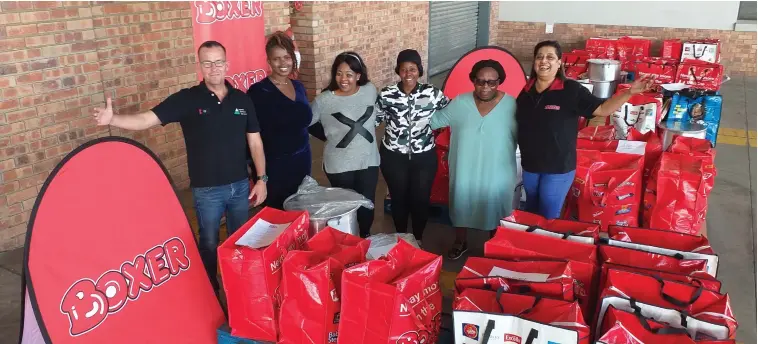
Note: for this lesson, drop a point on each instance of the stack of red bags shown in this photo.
(575, 63)
(676, 195)
(536, 265)
(311, 286)
(659, 286)
(627, 50)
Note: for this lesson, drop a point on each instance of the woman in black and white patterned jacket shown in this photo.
(408, 158)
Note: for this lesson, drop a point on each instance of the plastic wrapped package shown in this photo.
(328, 206)
(384, 242)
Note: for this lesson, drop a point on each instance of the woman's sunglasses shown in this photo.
(490, 83)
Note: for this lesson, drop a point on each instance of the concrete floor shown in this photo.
(731, 218)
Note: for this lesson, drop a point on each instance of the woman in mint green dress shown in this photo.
(482, 153)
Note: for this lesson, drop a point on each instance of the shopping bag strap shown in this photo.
(662, 331)
(675, 301)
(534, 228)
(488, 331)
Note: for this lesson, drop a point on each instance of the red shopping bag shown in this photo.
(672, 49)
(529, 277)
(311, 287)
(661, 238)
(630, 50)
(572, 230)
(663, 71)
(676, 197)
(598, 133)
(607, 188)
(575, 63)
(696, 302)
(697, 278)
(621, 327)
(649, 260)
(708, 50)
(601, 47)
(640, 112)
(441, 184)
(700, 74)
(517, 245)
(394, 299)
(548, 312)
(252, 276)
(653, 150)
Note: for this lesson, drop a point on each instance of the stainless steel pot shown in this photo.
(603, 70)
(670, 130)
(603, 89)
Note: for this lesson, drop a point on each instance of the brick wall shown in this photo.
(376, 30)
(58, 60)
(738, 52)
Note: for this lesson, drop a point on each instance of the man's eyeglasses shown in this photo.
(490, 83)
(209, 64)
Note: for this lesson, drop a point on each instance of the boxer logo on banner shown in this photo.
(239, 26)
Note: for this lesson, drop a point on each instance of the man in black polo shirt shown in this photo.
(219, 123)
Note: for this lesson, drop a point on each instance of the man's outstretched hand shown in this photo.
(104, 116)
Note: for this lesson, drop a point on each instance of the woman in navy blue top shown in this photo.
(284, 115)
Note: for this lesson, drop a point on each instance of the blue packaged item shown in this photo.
(701, 109)
(225, 337)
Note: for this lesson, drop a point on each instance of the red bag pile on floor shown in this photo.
(653, 147)
(704, 314)
(672, 49)
(252, 272)
(311, 286)
(441, 183)
(676, 195)
(480, 316)
(394, 299)
(607, 188)
(511, 244)
(584, 232)
(552, 279)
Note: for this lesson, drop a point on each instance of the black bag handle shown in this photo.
(488, 331)
(675, 301)
(662, 331)
(532, 229)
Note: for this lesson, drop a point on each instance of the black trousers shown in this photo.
(364, 183)
(409, 180)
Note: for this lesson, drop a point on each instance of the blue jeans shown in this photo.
(210, 204)
(545, 193)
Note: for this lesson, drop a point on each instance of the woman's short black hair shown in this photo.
(356, 65)
(558, 52)
(491, 64)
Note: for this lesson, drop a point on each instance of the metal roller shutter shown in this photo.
(452, 32)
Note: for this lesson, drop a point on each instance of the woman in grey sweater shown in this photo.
(345, 110)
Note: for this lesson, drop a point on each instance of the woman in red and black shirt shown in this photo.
(547, 114)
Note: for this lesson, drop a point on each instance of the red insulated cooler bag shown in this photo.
(622, 327)
(598, 133)
(661, 238)
(517, 245)
(252, 276)
(681, 247)
(697, 278)
(572, 230)
(703, 313)
(394, 299)
(311, 288)
(481, 316)
(650, 260)
(552, 279)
